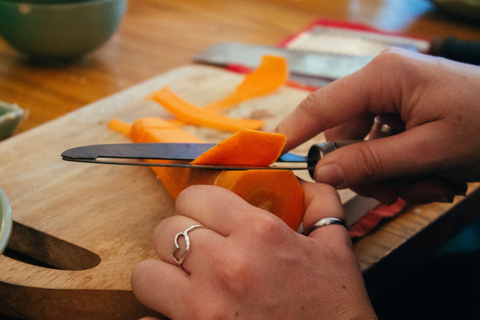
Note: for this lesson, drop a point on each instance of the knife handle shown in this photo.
(320, 150)
(455, 49)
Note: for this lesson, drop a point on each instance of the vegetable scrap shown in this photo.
(246, 147)
(191, 114)
(271, 74)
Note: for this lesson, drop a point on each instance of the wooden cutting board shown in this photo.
(93, 223)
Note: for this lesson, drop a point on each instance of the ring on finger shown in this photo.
(187, 243)
(383, 127)
(326, 222)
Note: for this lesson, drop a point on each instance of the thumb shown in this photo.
(372, 161)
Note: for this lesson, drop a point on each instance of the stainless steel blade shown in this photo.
(301, 63)
(142, 154)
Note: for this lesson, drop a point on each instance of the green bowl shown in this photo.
(5, 221)
(10, 116)
(60, 30)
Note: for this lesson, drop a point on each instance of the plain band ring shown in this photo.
(383, 127)
(187, 243)
(326, 222)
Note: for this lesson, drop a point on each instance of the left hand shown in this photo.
(246, 263)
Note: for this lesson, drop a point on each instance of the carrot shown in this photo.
(277, 191)
(120, 126)
(270, 75)
(192, 114)
(246, 147)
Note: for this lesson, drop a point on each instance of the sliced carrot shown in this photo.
(159, 130)
(192, 114)
(270, 75)
(155, 130)
(277, 191)
(246, 147)
(120, 126)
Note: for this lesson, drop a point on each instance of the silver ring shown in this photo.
(382, 127)
(326, 222)
(187, 243)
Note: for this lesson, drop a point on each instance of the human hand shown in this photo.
(432, 103)
(245, 263)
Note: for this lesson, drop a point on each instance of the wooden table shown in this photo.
(157, 36)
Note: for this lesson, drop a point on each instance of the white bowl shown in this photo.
(5, 221)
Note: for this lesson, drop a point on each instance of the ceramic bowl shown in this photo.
(59, 29)
(5, 221)
(10, 116)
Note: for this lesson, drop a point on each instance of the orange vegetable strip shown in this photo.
(153, 130)
(120, 126)
(246, 147)
(192, 114)
(270, 75)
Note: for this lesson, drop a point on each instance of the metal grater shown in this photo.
(343, 41)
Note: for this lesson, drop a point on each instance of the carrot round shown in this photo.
(276, 191)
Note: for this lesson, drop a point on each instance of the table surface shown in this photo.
(158, 35)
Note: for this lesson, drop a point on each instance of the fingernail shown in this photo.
(330, 174)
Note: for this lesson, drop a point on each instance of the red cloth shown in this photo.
(373, 218)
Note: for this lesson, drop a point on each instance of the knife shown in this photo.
(138, 154)
(307, 64)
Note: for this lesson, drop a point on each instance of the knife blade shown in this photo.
(308, 64)
(141, 154)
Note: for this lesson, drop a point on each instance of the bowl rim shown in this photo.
(5, 221)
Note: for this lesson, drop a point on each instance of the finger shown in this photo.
(200, 240)
(413, 190)
(355, 129)
(386, 192)
(151, 283)
(345, 99)
(427, 190)
(410, 153)
(217, 208)
(323, 201)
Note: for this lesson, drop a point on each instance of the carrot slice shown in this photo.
(277, 191)
(270, 75)
(246, 147)
(192, 114)
(120, 126)
(159, 130)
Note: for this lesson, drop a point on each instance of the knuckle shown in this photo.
(236, 272)
(268, 228)
(309, 107)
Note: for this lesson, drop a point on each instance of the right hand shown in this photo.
(433, 102)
